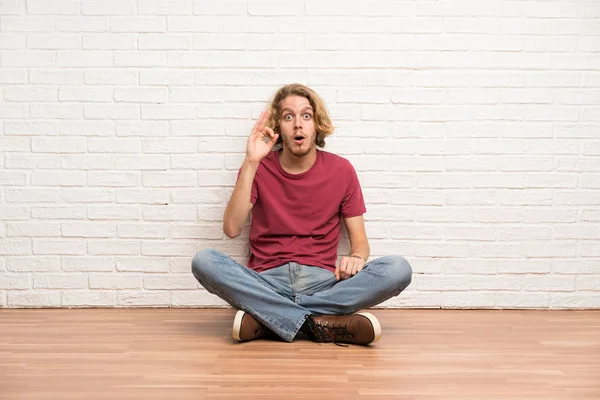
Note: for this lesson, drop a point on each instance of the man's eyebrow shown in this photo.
(289, 109)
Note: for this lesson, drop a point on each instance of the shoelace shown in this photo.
(330, 332)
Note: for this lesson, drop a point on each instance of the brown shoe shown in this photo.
(359, 328)
(246, 327)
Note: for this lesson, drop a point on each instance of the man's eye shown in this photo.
(307, 116)
(288, 117)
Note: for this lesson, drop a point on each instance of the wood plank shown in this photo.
(189, 353)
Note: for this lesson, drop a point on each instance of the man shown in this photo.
(298, 196)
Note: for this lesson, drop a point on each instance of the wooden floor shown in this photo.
(181, 354)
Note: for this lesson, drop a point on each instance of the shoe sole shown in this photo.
(237, 325)
(376, 325)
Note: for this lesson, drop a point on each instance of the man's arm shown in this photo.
(239, 205)
(359, 246)
(260, 142)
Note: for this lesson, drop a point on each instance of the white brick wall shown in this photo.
(474, 127)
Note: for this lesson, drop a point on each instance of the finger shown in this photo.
(257, 124)
(354, 266)
(343, 268)
(361, 265)
(270, 131)
(260, 124)
(336, 273)
(265, 118)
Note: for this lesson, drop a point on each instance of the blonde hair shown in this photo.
(323, 125)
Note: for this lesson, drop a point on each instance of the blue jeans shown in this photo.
(282, 298)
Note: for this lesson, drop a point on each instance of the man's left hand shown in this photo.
(348, 267)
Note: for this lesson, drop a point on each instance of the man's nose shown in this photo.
(298, 122)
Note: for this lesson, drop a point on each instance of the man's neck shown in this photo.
(296, 165)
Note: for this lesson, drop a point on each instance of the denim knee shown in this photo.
(203, 261)
(399, 272)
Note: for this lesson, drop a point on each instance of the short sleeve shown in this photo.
(253, 192)
(353, 203)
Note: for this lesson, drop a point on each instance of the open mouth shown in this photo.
(298, 139)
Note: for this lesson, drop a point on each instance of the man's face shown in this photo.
(297, 126)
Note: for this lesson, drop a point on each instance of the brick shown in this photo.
(113, 76)
(87, 128)
(88, 229)
(108, 42)
(108, 7)
(27, 23)
(163, 248)
(56, 111)
(114, 145)
(441, 282)
(225, 7)
(87, 195)
(87, 298)
(13, 111)
(85, 94)
(169, 112)
(550, 283)
(141, 24)
(88, 264)
(157, 7)
(84, 58)
(468, 300)
(112, 179)
(195, 196)
(12, 178)
(142, 128)
(143, 196)
(204, 231)
(140, 95)
(33, 264)
(60, 281)
(15, 247)
(13, 76)
(110, 212)
(81, 24)
(143, 230)
(54, 41)
(143, 264)
(87, 161)
(138, 58)
(113, 247)
(169, 146)
(33, 229)
(198, 162)
(100, 280)
(170, 281)
(522, 300)
(171, 77)
(574, 301)
(28, 94)
(170, 213)
(111, 111)
(142, 162)
(31, 128)
(58, 247)
(14, 281)
(34, 299)
(62, 178)
(12, 7)
(159, 298)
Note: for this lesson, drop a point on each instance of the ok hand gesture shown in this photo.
(261, 139)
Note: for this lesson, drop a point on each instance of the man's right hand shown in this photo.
(258, 147)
